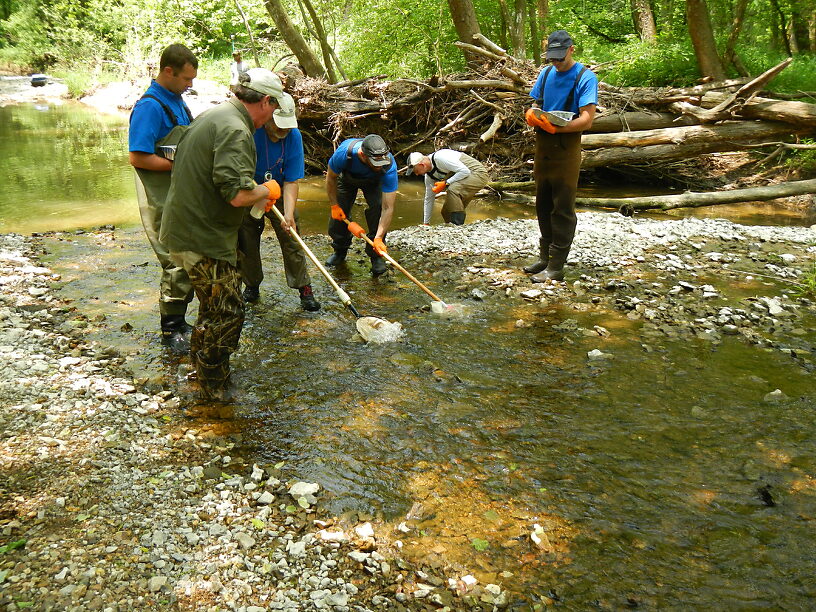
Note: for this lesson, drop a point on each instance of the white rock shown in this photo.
(302, 489)
(364, 531)
(360, 557)
(266, 498)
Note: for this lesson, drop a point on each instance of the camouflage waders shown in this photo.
(217, 285)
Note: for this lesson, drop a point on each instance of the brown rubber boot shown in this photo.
(555, 267)
(543, 258)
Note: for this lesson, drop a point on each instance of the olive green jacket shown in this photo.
(215, 159)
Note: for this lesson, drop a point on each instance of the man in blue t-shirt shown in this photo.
(279, 154)
(153, 123)
(571, 87)
(367, 164)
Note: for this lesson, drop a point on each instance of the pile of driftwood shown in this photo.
(637, 131)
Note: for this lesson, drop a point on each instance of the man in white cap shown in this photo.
(212, 185)
(573, 89)
(456, 173)
(367, 164)
(279, 147)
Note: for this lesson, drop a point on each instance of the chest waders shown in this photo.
(347, 187)
(175, 290)
(556, 168)
(459, 193)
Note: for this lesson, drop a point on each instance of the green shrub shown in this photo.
(803, 161)
(799, 76)
(808, 283)
(638, 64)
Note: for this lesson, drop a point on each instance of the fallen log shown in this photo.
(633, 121)
(614, 156)
(691, 199)
(797, 113)
(730, 131)
(627, 206)
(663, 96)
(730, 106)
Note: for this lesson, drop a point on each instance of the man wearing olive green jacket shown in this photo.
(211, 186)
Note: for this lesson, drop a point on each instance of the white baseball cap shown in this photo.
(263, 81)
(284, 116)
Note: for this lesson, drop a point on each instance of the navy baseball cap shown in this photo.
(558, 44)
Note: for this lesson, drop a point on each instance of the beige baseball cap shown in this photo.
(284, 116)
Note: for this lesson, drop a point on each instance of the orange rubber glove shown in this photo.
(379, 246)
(439, 187)
(534, 118)
(337, 213)
(356, 229)
(274, 189)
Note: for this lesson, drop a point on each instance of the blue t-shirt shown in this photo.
(283, 160)
(339, 162)
(558, 86)
(148, 121)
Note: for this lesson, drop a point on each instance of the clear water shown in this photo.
(646, 471)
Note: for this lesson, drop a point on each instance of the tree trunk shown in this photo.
(249, 31)
(688, 148)
(643, 18)
(325, 47)
(294, 39)
(634, 121)
(464, 19)
(543, 19)
(731, 132)
(729, 58)
(799, 114)
(702, 37)
(517, 34)
(782, 26)
(697, 200)
(535, 35)
(799, 25)
(505, 21)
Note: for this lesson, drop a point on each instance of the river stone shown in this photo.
(266, 498)
(156, 583)
(775, 396)
(300, 489)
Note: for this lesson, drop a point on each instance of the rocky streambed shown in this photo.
(110, 501)
(693, 277)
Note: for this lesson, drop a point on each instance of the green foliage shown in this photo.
(12, 546)
(803, 161)
(808, 284)
(638, 64)
(400, 38)
(376, 40)
(799, 76)
(479, 544)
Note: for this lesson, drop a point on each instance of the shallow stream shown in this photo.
(660, 478)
